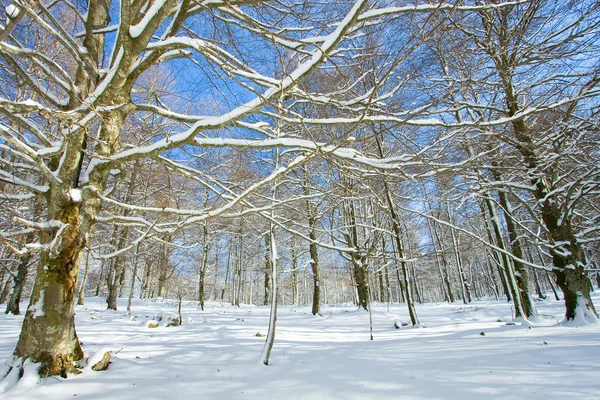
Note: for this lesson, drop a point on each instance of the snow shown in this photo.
(97, 356)
(37, 309)
(583, 315)
(11, 11)
(76, 195)
(329, 357)
(137, 30)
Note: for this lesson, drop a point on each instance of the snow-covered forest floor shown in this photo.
(215, 354)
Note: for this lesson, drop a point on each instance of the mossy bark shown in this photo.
(48, 334)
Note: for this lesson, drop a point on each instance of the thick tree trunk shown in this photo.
(48, 334)
(576, 289)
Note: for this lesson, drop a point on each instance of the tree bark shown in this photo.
(81, 297)
(203, 268)
(7, 285)
(268, 269)
(18, 285)
(314, 264)
(48, 334)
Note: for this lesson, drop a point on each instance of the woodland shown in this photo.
(275, 153)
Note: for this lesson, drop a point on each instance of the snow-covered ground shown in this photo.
(215, 354)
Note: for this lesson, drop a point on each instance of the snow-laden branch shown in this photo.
(248, 108)
(390, 11)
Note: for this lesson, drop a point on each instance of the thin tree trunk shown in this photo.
(314, 264)
(538, 286)
(81, 297)
(203, 268)
(18, 284)
(399, 246)
(510, 275)
(294, 272)
(465, 287)
(268, 268)
(7, 285)
(100, 278)
(273, 315)
(521, 275)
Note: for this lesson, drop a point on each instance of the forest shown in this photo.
(295, 153)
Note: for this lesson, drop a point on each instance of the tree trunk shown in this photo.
(81, 297)
(441, 257)
(521, 274)
(464, 284)
(268, 269)
(361, 277)
(100, 278)
(7, 285)
(48, 334)
(133, 278)
(294, 273)
(203, 267)
(538, 285)
(314, 264)
(273, 315)
(508, 269)
(497, 257)
(19, 283)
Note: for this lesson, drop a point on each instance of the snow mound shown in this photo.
(164, 319)
(98, 356)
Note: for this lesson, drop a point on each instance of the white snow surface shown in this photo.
(76, 195)
(217, 356)
(11, 11)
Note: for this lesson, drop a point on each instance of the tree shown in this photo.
(528, 40)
